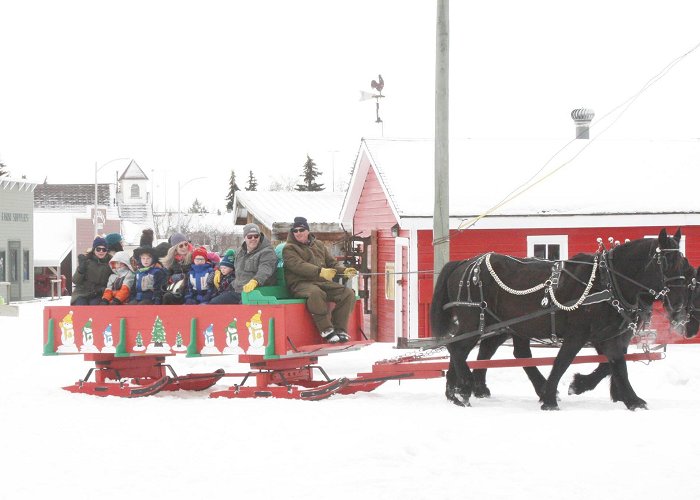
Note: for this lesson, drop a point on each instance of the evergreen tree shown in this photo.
(252, 182)
(232, 188)
(3, 169)
(309, 175)
(139, 340)
(197, 208)
(158, 332)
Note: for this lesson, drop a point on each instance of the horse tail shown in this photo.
(440, 319)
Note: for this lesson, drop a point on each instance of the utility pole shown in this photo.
(441, 211)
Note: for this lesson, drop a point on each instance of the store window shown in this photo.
(549, 247)
(25, 266)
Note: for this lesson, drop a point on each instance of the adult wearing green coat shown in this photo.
(309, 269)
(255, 262)
(90, 279)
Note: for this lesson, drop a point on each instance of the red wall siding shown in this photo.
(385, 308)
(374, 213)
(373, 210)
(465, 244)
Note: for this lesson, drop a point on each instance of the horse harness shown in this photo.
(603, 261)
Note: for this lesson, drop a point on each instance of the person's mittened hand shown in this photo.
(82, 263)
(250, 286)
(327, 273)
(350, 272)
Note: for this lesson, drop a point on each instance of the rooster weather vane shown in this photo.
(378, 86)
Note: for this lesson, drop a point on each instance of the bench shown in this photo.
(274, 294)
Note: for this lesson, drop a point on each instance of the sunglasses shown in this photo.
(299, 230)
(183, 245)
(252, 237)
(100, 249)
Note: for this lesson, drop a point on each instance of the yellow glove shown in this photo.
(250, 286)
(350, 272)
(327, 273)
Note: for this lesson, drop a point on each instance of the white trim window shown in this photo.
(681, 244)
(549, 246)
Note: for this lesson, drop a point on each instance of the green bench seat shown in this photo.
(275, 294)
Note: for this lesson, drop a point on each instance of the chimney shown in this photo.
(582, 118)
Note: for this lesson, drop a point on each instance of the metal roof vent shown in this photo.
(582, 118)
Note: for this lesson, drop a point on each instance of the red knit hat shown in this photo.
(199, 252)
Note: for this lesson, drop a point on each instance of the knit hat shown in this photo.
(146, 238)
(177, 238)
(227, 259)
(113, 239)
(300, 222)
(250, 229)
(145, 245)
(213, 257)
(99, 242)
(199, 252)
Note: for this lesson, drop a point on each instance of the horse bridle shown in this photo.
(619, 302)
(691, 310)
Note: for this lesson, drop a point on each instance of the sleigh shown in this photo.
(270, 332)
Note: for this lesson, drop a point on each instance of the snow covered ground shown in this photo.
(401, 441)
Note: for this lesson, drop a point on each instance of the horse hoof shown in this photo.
(482, 392)
(458, 399)
(548, 407)
(637, 405)
(459, 402)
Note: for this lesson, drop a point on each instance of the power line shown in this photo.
(625, 105)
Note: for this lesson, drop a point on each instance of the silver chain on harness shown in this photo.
(548, 286)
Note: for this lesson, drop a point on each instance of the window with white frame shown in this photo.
(681, 245)
(548, 246)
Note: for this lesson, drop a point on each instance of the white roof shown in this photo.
(133, 171)
(223, 223)
(272, 207)
(53, 237)
(603, 177)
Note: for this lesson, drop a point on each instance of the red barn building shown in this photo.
(589, 189)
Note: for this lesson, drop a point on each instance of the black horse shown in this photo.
(690, 325)
(598, 298)
(687, 326)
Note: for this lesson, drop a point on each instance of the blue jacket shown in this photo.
(198, 289)
(149, 284)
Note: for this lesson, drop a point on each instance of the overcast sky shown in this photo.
(193, 89)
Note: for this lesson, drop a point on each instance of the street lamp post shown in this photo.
(97, 169)
(179, 189)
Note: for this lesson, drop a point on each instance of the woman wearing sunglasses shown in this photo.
(90, 279)
(177, 264)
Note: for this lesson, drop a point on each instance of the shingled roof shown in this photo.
(70, 196)
(133, 171)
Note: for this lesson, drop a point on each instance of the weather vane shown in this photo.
(378, 86)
